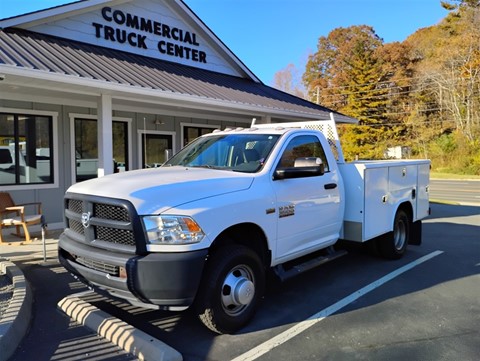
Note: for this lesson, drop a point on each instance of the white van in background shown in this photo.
(28, 174)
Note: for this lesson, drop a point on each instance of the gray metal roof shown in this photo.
(44, 53)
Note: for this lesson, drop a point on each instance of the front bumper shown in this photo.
(165, 280)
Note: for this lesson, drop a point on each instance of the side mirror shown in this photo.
(308, 162)
(303, 167)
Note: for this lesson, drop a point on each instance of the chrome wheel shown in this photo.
(238, 290)
(400, 235)
(393, 245)
(231, 288)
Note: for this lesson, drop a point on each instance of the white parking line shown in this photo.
(319, 316)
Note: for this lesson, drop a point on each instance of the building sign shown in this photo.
(133, 30)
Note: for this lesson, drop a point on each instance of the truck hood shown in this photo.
(153, 191)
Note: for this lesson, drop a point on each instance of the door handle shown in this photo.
(330, 186)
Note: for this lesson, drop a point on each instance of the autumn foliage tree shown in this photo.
(288, 80)
(423, 92)
(448, 77)
(349, 75)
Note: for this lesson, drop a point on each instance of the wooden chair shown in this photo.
(15, 215)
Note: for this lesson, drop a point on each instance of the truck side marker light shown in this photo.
(122, 272)
(191, 225)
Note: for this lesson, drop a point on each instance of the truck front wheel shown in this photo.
(231, 289)
(394, 244)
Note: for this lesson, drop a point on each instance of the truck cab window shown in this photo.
(303, 146)
(235, 152)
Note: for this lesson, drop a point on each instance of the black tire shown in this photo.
(394, 244)
(231, 289)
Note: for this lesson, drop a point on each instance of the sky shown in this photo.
(268, 35)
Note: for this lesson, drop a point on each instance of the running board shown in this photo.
(285, 274)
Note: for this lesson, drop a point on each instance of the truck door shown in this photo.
(308, 208)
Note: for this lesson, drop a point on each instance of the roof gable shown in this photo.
(161, 29)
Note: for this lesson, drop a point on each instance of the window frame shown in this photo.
(143, 133)
(54, 142)
(295, 137)
(73, 116)
(193, 125)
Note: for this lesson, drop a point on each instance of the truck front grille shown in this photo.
(99, 266)
(111, 212)
(113, 235)
(104, 222)
(76, 227)
(75, 205)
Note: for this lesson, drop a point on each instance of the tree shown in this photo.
(452, 69)
(335, 68)
(423, 92)
(447, 89)
(345, 73)
(288, 80)
(456, 4)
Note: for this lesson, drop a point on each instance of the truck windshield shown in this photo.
(237, 152)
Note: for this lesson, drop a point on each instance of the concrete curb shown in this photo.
(120, 333)
(16, 321)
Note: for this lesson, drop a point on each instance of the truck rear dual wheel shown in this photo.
(394, 244)
(231, 289)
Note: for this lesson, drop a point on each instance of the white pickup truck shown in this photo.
(207, 227)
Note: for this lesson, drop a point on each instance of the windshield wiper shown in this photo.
(198, 165)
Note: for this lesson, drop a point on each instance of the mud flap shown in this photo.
(416, 233)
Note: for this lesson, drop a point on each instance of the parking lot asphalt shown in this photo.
(430, 311)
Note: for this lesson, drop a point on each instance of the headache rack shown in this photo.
(327, 127)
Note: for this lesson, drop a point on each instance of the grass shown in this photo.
(438, 175)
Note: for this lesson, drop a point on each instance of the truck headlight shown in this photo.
(172, 230)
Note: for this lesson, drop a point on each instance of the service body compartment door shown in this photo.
(377, 214)
(423, 202)
(402, 184)
(367, 210)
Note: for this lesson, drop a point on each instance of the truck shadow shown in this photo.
(450, 211)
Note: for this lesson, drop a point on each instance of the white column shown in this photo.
(105, 138)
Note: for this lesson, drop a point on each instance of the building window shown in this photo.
(190, 133)
(156, 149)
(86, 148)
(26, 149)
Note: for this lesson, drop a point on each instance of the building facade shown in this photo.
(96, 87)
